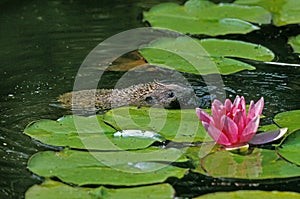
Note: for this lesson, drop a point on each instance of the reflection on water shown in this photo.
(42, 46)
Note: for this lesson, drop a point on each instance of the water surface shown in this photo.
(43, 44)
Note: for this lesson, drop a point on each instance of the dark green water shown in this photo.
(43, 43)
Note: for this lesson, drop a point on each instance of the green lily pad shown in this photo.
(108, 158)
(260, 164)
(176, 125)
(181, 18)
(52, 189)
(205, 10)
(245, 194)
(85, 169)
(269, 127)
(238, 49)
(289, 149)
(295, 43)
(207, 56)
(84, 133)
(288, 119)
(283, 11)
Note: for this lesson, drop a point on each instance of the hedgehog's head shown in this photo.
(170, 96)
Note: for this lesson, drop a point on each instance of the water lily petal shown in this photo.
(228, 105)
(236, 101)
(255, 109)
(266, 137)
(203, 116)
(218, 110)
(250, 130)
(240, 122)
(230, 129)
(216, 134)
(242, 104)
(259, 106)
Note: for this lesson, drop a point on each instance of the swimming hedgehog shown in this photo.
(170, 96)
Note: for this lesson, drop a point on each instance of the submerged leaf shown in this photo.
(53, 189)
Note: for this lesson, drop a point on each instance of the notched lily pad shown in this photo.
(289, 149)
(53, 189)
(260, 164)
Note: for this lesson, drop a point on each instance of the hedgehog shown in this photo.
(169, 96)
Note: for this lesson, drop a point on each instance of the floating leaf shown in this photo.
(83, 133)
(234, 48)
(207, 56)
(180, 18)
(254, 14)
(245, 194)
(176, 125)
(53, 189)
(269, 127)
(288, 119)
(260, 164)
(295, 43)
(284, 11)
(90, 170)
(289, 149)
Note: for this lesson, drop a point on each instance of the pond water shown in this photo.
(43, 44)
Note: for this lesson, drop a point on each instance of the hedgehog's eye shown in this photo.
(171, 94)
(149, 99)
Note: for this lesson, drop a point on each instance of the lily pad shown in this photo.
(108, 158)
(89, 170)
(205, 10)
(183, 19)
(289, 149)
(283, 11)
(84, 133)
(175, 125)
(288, 119)
(245, 194)
(295, 43)
(237, 49)
(52, 189)
(260, 164)
(207, 56)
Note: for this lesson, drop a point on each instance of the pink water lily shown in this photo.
(230, 124)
